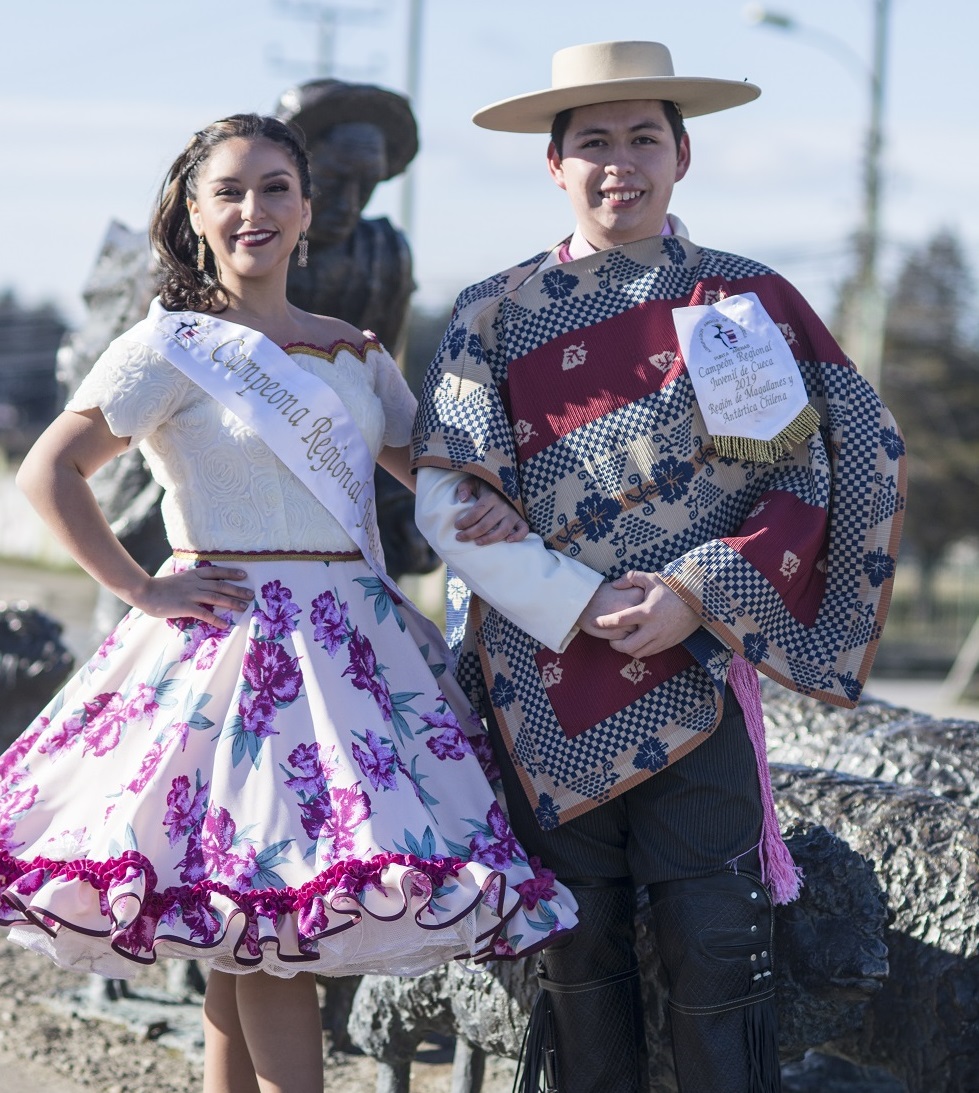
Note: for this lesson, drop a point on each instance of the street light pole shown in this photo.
(863, 313)
(866, 333)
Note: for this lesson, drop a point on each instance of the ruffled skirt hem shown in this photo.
(396, 914)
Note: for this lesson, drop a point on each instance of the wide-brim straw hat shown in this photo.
(612, 72)
(318, 105)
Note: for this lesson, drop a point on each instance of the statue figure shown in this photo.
(359, 269)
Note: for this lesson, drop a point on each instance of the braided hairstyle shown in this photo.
(183, 287)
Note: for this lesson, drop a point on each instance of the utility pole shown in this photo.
(865, 336)
(863, 312)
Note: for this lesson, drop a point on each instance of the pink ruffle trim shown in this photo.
(131, 877)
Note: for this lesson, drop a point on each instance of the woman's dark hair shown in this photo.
(674, 118)
(183, 287)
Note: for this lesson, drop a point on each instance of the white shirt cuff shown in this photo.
(540, 590)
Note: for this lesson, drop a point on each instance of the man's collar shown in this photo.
(579, 247)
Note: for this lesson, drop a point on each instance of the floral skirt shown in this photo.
(293, 793)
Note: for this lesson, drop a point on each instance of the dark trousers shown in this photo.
(688, 820)
(690, 833)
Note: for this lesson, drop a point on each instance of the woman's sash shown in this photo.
(305, 423)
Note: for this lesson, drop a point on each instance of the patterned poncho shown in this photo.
(564, 388)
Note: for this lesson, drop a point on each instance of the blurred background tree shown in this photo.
(930, 380)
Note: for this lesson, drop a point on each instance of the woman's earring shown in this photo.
(303, 259)
(201, 251)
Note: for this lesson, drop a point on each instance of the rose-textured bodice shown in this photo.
(224, 488)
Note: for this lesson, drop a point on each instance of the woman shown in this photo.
(266, 766)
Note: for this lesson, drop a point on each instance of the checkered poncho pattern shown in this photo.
(565, 389)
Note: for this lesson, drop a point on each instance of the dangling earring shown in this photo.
(201, 251)
(303, 259)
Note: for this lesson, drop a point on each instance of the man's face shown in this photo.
(618, 165)
(346, 165)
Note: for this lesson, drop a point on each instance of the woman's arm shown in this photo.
(489, 519)
(54, 477)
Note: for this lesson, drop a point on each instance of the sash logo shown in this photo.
(728, 334)
(185, 332)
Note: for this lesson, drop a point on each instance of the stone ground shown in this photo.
(57, 1037)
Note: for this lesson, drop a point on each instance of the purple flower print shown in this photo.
(482, 849)
(312, 786)
(257, 713)
(278, 617)
(63, 737)
(201, 639)
(184, 813)
(445, 720)
(270, 671)
(138, 936)
(7, 839)
(539, 887)
(192, 867)
(12, 757)
(315, 813)
(107, 646)
(314, 772)
(366, 676)
(313, 919)
(377, 762)
(450, 744)
(221, 859)
(351, 807)
(483, 750)
(107, 716)
(499, 851)
(202, 923)
(363, 662)
(274, 679)
(502, 948)
(151, 760)
(329, 619)
(14, 803)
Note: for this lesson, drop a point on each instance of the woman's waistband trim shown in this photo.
(268, 555)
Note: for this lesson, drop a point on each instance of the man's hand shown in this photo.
(604, 607)
(658, 621)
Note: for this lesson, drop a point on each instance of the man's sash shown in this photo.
(304, 422)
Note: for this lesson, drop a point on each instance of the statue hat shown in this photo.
(612, 72)
(318, 105)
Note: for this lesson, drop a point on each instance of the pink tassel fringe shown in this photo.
(778, 871)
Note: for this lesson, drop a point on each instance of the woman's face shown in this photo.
(249, 207)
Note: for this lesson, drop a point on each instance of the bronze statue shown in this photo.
(359, 269)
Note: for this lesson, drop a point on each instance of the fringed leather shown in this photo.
(761, 1026)
(537, 1064)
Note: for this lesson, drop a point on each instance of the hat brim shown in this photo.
(535, 112)
(390, 112)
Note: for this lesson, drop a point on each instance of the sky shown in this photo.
(97, 98)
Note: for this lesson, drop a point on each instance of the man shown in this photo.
(713, 490)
